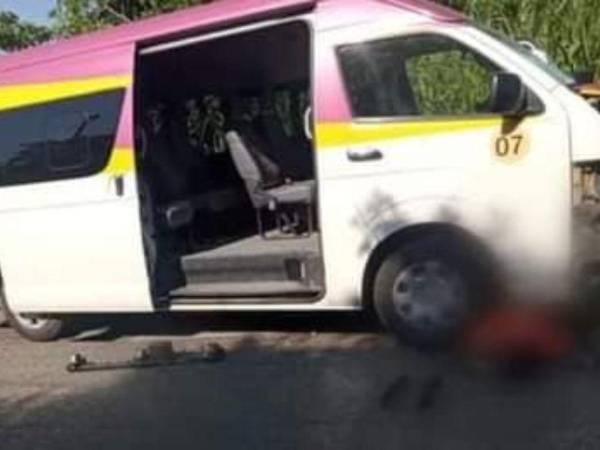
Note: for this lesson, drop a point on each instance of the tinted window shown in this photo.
(67, 146)
(60, 140)
(423, 75)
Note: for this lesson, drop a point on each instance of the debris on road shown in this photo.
(155, 355)
(393, 394)
(429, 392)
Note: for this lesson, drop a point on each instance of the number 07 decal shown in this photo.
(510, 148)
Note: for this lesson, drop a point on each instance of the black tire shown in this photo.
(457, 262)
(45, 330)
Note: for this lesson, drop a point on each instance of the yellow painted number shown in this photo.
(511, 147)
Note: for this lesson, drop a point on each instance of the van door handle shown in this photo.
(119, 183)
(369, 154)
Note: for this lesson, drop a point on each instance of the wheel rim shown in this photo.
(31, 323)
(430, 296)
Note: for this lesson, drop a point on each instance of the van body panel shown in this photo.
(76, 245)
(106, 62)
(196, 19)
(74, 254)
(442, 171)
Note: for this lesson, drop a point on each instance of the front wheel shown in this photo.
(425, 290)
(38, 329)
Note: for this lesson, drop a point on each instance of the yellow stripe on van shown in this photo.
(17, 96)
(121, 161)
(331, 135)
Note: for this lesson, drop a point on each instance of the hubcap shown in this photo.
(430, 296)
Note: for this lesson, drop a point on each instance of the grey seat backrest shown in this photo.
(244, 162)
(257, 170)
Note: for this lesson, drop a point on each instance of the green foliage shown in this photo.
(449, 83)
(569, 30)
(16, 34)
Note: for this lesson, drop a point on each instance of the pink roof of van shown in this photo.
(214, 15)
(221, 13)
(427, 8)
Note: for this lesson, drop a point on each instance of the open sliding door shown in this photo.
(70, 234)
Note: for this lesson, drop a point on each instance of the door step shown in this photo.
(255, 289)
(200, 269)
(250, 269)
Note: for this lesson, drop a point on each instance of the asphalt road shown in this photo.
(286, 383)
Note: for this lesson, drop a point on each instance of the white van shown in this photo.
(295, 155)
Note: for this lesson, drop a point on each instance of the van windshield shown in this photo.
(549, 67)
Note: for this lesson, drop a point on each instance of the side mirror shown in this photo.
(509, 95)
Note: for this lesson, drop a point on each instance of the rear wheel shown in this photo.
(34, 328)
(425, 290)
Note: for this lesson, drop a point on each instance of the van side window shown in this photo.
(67, 147)
(420, 75)
(60, 140)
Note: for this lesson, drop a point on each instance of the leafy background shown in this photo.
(568, 29)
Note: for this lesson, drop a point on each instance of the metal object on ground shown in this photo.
(153, 356)
(393, 394)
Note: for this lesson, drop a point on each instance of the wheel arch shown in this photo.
(474, 245)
